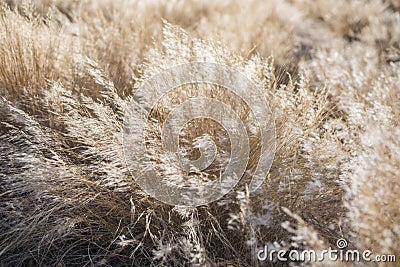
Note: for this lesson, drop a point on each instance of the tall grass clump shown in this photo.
(68, 71)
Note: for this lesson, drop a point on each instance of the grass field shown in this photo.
(329, 69)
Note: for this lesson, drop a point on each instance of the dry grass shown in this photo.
(329, 70)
